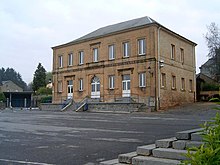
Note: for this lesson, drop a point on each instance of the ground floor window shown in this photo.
(142, 79)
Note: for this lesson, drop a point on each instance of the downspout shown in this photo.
(158, 67)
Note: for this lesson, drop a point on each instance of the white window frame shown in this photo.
(126, 51)
(172, 54)
(142, 80)
(95, 54)
(142, 46)
(81, 57)
(60, 61)
(60, 87)
(81, 84)
(111, 82)
(111, 52)
(70, 59)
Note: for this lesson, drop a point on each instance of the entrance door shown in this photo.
(95, 93)
(70, 89)
(126, 86)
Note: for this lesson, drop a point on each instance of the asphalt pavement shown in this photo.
(69, 138)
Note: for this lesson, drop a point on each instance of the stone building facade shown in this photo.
(138, 59)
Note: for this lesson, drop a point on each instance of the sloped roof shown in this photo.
(118, 27)
(107, 30)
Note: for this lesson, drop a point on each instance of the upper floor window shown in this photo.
(81, 57)
(142, 80)
(182, 84)
(163, 80)
(142, 46)
(111, 52)
(59, 86)
(70, 59)
(173, 82)
(190, 85)
(181, 55)
(95, 55)
(126, 49)
(80, 84)
(172, 52)
(60, 61)
(111, 82)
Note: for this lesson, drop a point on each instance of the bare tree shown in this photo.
(213, 42)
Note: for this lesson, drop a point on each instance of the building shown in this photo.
(15, 96)
(9, 86)
(138, 59)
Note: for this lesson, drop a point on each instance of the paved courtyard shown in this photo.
(70, 138)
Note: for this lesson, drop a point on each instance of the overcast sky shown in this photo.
(29, 28)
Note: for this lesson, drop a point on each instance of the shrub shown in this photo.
(214, 100)
(209, 152)
(46, 99)
(44, 91)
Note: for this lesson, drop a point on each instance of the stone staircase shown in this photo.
(164, 152)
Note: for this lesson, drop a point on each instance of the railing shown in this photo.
(82, 105)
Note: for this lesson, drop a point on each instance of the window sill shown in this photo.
(173, 88)
(142, 54)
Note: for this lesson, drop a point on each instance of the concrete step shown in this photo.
(165, 143)
(184, 144)
(169, 153)
(186, 135)
(148, 160)
(126, 158)
(196, 136)
(145, 150)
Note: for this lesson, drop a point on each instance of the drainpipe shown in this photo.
(158, 68)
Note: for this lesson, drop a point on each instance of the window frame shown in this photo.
(70, 59)
(95, 55)
(172, 54)
(183, 84)
(182, 55)
(126, 49)
(191, 85)
(60, 61)
(81, 57)
(60, 87)
(163, 80)
(142, 79)
(111, 80)
(111, 52)
(142, 46)
(80, 84)
(173, 84)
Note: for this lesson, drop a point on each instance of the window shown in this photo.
(60, 61)
(111, 52)
(111, 82)
(126, 49)
(70, 59)
(95, 55)
(80, 84)
(81, 54)
(163, 80)
(141, 46)
(190, 85)
(181, 55)
(182, 84)
(173, 82)
(142, 80)
(172, 51)
(60, 88)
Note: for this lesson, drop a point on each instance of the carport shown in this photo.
(18, 99)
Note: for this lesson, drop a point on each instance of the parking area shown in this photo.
(42, 137)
